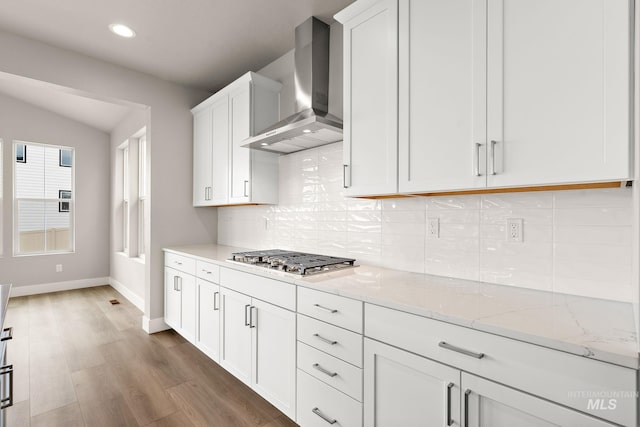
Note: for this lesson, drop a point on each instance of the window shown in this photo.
(43, 213)
(63, 206)
(125, 199)
(142, 193)
(66, 158)
(21, 153)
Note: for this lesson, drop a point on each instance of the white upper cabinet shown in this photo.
(442, 62)
(370, 98)
(224, 171)
(489, 94)
(558, 91)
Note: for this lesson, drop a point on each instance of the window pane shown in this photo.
(29, 182)
(31, 228)
(58, 227)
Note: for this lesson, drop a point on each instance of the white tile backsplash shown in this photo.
(576, 242)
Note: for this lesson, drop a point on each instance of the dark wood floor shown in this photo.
(80, 361)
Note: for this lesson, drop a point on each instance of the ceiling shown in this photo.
(204, 44)
(97, 113)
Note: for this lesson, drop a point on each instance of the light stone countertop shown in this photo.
(594, 328)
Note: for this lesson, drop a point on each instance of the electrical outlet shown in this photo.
(58, 268)
(515, 230)
(433, 227)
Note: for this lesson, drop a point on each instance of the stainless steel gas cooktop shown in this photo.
(299, 263)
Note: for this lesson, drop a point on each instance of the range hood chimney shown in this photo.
(311, 125)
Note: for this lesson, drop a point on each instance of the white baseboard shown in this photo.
(128, 294)
(151, 326)
(43, 288)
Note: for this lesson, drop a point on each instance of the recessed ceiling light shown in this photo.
(264, 144)
(307, 131)
(122, 30)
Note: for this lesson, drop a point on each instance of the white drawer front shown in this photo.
(208, 271)
(180, 262)
(272, 291)
(555, 375)
(328, 369)
(320, 404)
(334, 309)
(338, 342)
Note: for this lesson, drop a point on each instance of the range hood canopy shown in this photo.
(311, 125)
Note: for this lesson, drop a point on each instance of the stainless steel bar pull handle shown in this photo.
(323, 416)
(245, 189)
(467, 392)
(449, 419)
(7, 401)
(179, 284)
(175, 283)
(326, 340)
(493, 157)
(476, 170)
(317, 367)
(460, 350)
(246, 316)
(216, 296)
(344, 176)
(330, 310)
(251, 318)
(177, 262)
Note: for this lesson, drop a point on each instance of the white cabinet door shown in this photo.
(402, 389)
(442, 83)
(558, 91)
(235, 342)
(241, 127)
(489, 404)
(208, 334)
(202, 157)
(219, 193)
(371, 100)
(187, 289)
(274, 355)
(172, 298)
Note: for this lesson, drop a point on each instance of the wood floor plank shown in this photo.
(67, 416)
(282, 421)
(52, 391)
(95, 383)
(177, 419)
(108, 413)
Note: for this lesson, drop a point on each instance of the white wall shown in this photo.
(22, 121)
(173, 219)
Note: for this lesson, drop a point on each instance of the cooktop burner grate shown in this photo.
(293, 262)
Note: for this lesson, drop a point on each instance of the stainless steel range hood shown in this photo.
(311, 125)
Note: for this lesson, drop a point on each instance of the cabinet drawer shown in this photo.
(180, 262)
(555, 375)
(334, 309)
(208, 271)
(328, 369)
(319, 404)
(273, 291)
(338, 342)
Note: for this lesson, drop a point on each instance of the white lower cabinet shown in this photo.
(257, 346)
(402, 389)
(489, 404)
(208, 331)
(320, 404)
(180, 302)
